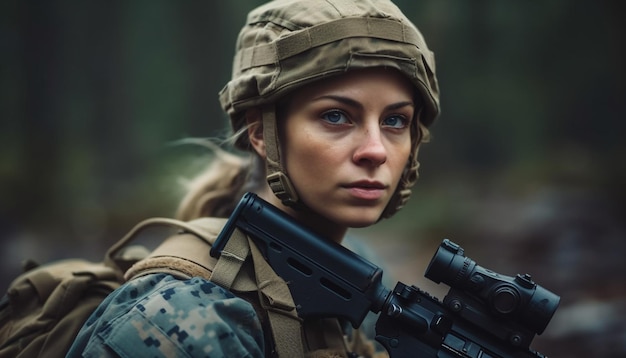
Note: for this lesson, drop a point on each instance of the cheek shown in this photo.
(309, 157)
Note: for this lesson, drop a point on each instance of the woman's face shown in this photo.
(346, 142)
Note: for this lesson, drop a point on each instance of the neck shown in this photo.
(305, 216)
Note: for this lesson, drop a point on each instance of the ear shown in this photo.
(255, 131)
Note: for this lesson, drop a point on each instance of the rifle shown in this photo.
(483, 315)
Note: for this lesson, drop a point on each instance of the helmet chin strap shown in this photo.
(276, 177)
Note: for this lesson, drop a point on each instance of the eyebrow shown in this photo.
(350, 102)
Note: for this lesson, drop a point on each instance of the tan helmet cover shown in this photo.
(287, 44)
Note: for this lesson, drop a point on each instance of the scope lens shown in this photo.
(449, 265)
(439, 266)
(505, 300)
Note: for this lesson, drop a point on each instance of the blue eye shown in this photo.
(335, 117)
(395, 122)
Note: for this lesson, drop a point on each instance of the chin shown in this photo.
(361, 219)
(359, 225)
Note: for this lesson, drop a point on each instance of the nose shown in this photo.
(371, 149)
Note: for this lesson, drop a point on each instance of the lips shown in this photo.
(366, 184)
(366, 190)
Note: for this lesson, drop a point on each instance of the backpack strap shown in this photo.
(230, 263)
(275, 298)
(273, 294)
(184, 255)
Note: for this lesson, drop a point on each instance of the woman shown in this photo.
(332, 98)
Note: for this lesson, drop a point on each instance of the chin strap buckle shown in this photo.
(282, 188)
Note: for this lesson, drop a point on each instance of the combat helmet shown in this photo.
(286, 44)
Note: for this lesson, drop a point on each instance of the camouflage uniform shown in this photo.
(158, 315)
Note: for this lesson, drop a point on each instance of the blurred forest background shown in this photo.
(525, 169)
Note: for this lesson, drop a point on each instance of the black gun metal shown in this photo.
(484, 314)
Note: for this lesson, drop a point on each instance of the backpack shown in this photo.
(45, 306)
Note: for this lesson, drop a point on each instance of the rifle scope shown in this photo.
(517, 298)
